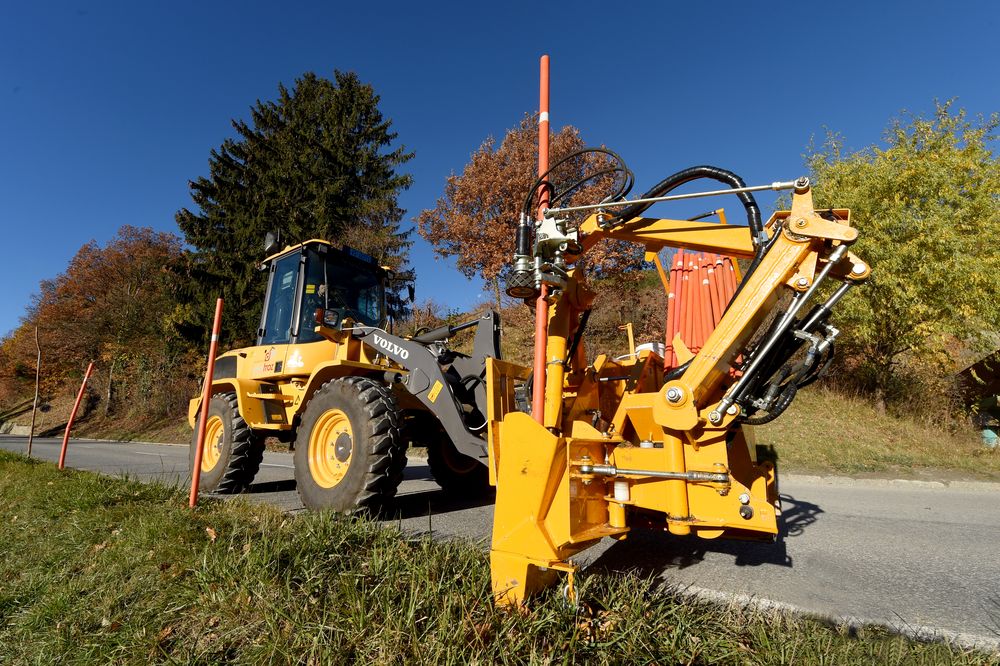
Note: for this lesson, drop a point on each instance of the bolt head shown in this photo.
(733, 410)
(715, 417)
(745, 498)
(674, 394)
(801, 222)
(803, 282)
(858, 269)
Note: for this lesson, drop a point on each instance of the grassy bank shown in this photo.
(98, 570)
(827, 432)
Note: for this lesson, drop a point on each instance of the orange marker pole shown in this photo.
(541, 304)
(72, 415)
(206, 395)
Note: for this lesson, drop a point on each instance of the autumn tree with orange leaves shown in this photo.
(112, 306)
(475, 220)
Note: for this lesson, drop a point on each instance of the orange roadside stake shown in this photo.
(206, 395)
(72, 415)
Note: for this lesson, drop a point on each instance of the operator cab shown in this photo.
(313, 275)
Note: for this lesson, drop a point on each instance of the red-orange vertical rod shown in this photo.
(541, 304)
(206, 396)
(718, 288)
(730, 274)
(699, 303)
(72, 415)
(673, 297)
(688, 314)
(713, 301)
(706, 293)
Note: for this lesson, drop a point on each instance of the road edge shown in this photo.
(915, 632)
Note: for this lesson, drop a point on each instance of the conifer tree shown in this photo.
(317, 162)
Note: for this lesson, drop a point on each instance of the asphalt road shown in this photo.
(922, 559)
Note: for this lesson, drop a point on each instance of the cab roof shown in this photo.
(314, 242)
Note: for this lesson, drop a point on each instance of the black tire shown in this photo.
(355, 459)
(238, 451)
(455, 472)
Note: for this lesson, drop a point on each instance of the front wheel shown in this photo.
(348, 452)
(232, 453)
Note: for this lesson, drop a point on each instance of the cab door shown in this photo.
(275, 333)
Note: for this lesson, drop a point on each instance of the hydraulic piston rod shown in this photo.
(748, 373)
(611, 470)
(777, 187)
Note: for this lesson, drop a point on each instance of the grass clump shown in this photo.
(825, 431)
(99, 570)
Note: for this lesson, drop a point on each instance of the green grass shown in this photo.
(826, 432)
(100, 570)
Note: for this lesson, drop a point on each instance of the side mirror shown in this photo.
(328, 318)
(271, 241)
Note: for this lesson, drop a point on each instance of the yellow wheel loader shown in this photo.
(327, 377)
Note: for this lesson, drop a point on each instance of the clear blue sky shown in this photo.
(108, 109)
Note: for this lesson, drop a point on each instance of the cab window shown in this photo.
(313, 297)
(277, 326)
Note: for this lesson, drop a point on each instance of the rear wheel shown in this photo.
(232, 452)
(348, 452)
(455, 472)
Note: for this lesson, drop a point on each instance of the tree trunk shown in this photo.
(110, 392)
(496, 290)
(34, 405)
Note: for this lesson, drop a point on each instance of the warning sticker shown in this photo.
(432, 395)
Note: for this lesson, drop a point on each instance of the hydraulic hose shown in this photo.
(758, 235)
(695, 173)
(784, 400)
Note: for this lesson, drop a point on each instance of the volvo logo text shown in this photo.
(391, 347)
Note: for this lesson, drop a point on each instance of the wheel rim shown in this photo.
(331, 448)
(212, 452)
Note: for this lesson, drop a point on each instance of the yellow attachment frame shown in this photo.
(613, 452)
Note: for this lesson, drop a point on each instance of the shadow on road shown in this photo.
(435, 502)
(432, 501)
(272, 486)
(649, 552)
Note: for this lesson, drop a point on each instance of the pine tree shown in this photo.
(318, 162)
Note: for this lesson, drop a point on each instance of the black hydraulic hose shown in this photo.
(820, 368)
(758, 235)
(577, 336)
(784, 400)
(695, 173)
(623, 189)
(677, 372)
